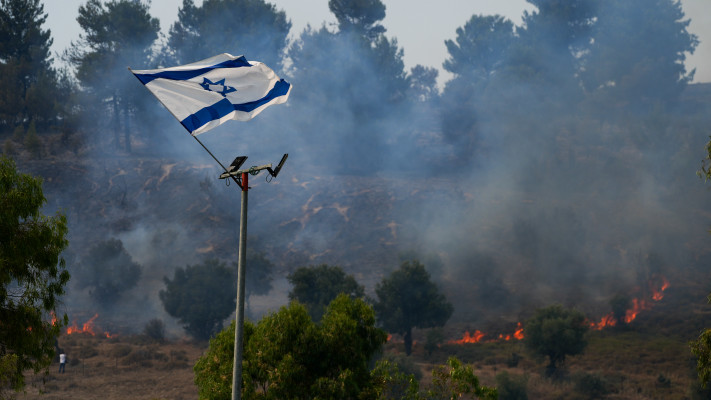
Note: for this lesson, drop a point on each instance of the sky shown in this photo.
(420, 27)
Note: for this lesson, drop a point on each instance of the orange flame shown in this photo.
(659, 294)
(607, 320)
(87, 327)
(637, 306)
(469, 338)
(518, 334)
(479, 335)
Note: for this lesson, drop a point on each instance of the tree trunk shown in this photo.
(408, 341)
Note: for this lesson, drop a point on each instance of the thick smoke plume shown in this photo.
(549, 201)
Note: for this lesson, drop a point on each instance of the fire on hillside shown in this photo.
(87, 328)
(637, 305)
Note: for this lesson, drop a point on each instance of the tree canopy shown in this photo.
(288, 356)
(109, 270)
(407, 299)
(201, 297)
(29, 84)
(316, 286)
(253, 28)
(556, 332)
(32, 275)
(116, 34)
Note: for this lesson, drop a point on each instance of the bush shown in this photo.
(405, 365)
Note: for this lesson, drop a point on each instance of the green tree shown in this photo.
(287, 356)
(259, 275)
(636, 60)
(201, 297)
(355, 75)
(477, 55)
(701, 348)
(407, 299)
(28, 83)
(361, 16)
(316, 286)
(253, 28)
(450, 381)
(556, 332)
(109, 271)
(32, 275)
(117, 34)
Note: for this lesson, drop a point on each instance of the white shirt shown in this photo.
(62, 358)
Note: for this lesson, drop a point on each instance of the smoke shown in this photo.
(515, 193)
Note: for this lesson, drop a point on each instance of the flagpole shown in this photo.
(232, 172)
(239, 318)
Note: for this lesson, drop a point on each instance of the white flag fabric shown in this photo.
(207, 93)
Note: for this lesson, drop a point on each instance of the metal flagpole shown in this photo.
(239, 318)
(232, 172)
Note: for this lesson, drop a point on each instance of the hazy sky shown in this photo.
(421, 27)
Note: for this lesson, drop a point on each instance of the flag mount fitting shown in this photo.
(234, 171)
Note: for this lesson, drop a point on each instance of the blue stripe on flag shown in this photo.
(207, 114)
(224, 107)
(185, 75)
(280, 88)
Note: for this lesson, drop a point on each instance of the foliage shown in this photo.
(32, 274)
(328, 63)
(253, 28)
(259, 275)
(109, 271)
(117, 33)
(361, 16)
(701, 348)
(556, 332)
(637, 57)
(434, 338)
(28, 83)
(288, 356)
(407, 299)
(201, 297)
(511, 387)
(454, 380)
(316, 286)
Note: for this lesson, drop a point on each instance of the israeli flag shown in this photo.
(207, 93)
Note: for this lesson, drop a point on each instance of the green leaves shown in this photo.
(556, 332)
(316, 286)
(32, 274)
(408, 299)
(287, 356)
(201, 297)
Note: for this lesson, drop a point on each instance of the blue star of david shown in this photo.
(217, 87)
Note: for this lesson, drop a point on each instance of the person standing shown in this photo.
(62, 361)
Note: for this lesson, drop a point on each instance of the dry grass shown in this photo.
(118, 368)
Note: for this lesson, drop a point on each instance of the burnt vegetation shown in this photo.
(555, 166)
